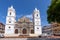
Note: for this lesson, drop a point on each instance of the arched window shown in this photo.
(9, 27)
(37, 15)
(9, 21)
(16, 31)
(37, 28)
(10, 13)
(24, 31)
(32, 31)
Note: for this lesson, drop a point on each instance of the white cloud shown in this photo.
(29, 16)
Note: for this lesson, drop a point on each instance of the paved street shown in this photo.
(29, 39)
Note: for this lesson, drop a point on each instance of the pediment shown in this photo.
(24, 19)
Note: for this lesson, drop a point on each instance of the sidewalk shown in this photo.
(54, 37)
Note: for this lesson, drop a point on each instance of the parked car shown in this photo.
(44, 35)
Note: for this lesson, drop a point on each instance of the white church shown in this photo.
(23, 26)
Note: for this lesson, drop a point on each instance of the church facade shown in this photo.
(24, 26)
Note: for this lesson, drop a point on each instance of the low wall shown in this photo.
(11, 35)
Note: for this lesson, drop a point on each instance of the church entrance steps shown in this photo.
(18, 36)
(36, 35)
(11, 35)
(21, 37)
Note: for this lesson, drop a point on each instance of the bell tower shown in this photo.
(10, 21)
(37, 22)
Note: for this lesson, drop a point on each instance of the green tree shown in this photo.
(53, 12)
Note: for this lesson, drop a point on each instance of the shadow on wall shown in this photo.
(43, 39)
(35, 39)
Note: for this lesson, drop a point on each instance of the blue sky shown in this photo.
(24, 8)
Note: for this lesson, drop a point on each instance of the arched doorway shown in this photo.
(16, 31)
(24, 31)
